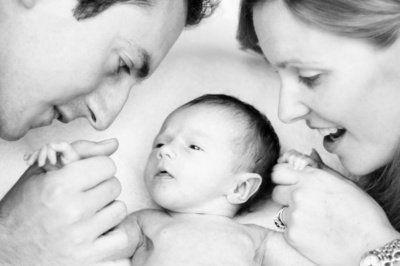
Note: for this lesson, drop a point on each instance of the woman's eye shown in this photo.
(123, 67)
(194, 147)
(311, 81)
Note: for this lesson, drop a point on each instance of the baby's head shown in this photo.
(212, 155)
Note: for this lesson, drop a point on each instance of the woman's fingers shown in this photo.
(282, 195)
(284, 174)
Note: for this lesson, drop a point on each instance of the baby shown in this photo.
(210, 161)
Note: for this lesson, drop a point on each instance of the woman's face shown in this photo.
(345, 88)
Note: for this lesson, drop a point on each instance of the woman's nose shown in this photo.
(166, 152)
(291, 106)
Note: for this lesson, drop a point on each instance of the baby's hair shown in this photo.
(259, 146)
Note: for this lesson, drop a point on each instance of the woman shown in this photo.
(338, 62)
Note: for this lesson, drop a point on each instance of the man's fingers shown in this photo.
(106, 219)
(88, 173)
(99, 231)
(112, 245)
(101, 195)
(87, 149)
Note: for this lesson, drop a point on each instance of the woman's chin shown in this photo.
(358, 168)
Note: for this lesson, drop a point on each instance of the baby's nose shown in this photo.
(166, 152)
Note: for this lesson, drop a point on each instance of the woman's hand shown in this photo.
(330, 219)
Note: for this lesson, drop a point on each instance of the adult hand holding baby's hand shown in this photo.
(59, 217)
(330, 219)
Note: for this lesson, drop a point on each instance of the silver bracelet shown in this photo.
(383, 256)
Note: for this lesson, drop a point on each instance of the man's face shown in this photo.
(55, 67)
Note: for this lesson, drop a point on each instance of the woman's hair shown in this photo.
(374, 21)
(196, 9)
(384, 186)
(258, 147)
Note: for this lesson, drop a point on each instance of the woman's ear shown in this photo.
(29, 4)
(247, 185)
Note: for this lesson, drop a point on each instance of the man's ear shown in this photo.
(28, 3)
(247, 185)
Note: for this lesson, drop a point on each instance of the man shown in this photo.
(67, 59)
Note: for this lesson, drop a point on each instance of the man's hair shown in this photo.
(196, 9)
(258, 148)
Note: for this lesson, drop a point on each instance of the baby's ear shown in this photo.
(246, 186)
(28, 3)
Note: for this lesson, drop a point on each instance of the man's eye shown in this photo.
(311, 81)
(123, 67)
(196, 148)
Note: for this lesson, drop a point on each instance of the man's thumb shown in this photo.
(87, 149)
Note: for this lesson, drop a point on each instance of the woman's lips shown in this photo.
(332, 140)
(334, 136)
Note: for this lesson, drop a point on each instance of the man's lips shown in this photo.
(57, 114)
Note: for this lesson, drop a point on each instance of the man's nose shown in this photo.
(105, 107)
(166, 152)
(291, 106)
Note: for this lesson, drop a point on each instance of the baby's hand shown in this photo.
(298, 160)
(53, 156)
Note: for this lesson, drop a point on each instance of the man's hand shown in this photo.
(66, 216)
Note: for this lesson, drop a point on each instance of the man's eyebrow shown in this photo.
(144, 71)
(284, 64)
(147, 3)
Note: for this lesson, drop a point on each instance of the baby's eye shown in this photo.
(196, 148)
(158, 145)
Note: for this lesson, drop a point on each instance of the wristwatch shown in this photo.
(388, 255)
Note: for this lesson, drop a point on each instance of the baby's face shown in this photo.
(190, 168)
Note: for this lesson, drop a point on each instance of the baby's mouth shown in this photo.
(164, 174)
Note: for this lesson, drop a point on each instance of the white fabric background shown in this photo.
(206, 59)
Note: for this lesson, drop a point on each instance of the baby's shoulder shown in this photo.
(143, 213)
(258, 234)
